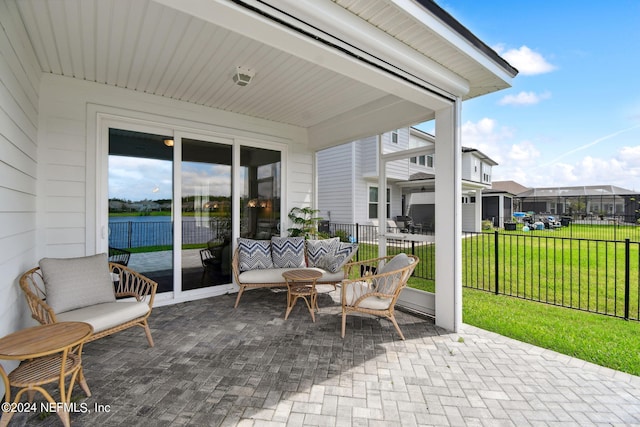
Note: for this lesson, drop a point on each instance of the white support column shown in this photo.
(501, 211)
(448, 221)
(382, 200)
(478, 213)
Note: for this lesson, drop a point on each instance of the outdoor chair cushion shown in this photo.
(387, 284)
(106, 315)
(396, 263)
(72, 283)
(355, 290)
(288, 252)
(254, 254)
(316, 249)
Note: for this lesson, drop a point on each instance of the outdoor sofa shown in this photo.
(260, 263)
(107, 295)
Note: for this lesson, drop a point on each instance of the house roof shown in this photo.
(510, 187)
(585, 190)
(480, 155)
(338, 70)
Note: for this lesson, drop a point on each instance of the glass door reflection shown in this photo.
(206, 213)
(140, 204)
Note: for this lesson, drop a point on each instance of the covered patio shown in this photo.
(216, 366)
(242, 78)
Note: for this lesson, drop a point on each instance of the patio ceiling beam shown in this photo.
(411, 152)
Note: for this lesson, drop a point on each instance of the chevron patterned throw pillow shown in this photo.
(254, 254)
(288, 252)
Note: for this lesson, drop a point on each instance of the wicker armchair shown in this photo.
(128, 284)
(119, 256)
(374, 285)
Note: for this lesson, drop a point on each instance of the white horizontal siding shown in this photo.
(335, 183)
(19, 82)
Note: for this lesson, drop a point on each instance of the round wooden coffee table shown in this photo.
(49, 353)
(302, 284)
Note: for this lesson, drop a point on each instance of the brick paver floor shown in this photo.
(213, 365)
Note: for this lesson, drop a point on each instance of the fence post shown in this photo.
(496, 262)
(358, 240)
(627, 297)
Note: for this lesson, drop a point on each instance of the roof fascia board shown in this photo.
(236, 18)
(463, 43)
(335, 21)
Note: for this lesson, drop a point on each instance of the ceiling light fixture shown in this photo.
(243, 76)
(168, 142)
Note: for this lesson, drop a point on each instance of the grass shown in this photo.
(603, 340)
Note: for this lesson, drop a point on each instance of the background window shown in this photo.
(373, 202)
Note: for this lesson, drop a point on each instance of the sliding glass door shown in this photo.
(172, 208)
(206, 186)
(141, 213)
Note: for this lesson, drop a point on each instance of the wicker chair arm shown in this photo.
(132, 284)
(32, 285)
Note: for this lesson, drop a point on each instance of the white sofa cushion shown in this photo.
(72, 283)
(316, 249)
(254, 254)
(274, 275)
(287, 252)
(355, 290)
(107, 315)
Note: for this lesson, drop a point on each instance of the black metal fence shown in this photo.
(598, 276)
(594, 275)
(137, 234)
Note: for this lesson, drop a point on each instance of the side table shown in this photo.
(302, 284)
(49, 353)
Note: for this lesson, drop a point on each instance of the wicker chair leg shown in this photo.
(344, 322)
(239, 295)
(393, 320)
(147, 331)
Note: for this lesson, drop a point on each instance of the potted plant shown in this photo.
(304, 222)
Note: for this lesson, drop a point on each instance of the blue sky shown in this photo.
(572, 116)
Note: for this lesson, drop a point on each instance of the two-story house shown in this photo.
(348, 181)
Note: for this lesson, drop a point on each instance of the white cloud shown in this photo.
(487, 136)
(524, 98)
(622, 170)
(527, 62)
(524, 153)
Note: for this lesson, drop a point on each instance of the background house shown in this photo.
(584, 202)
(348, 181)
